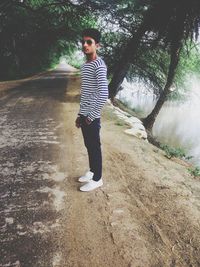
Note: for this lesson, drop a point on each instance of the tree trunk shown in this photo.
(126, 57)
(150, 119)
(174, 59)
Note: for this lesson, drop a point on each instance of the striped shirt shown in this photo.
(94, 88)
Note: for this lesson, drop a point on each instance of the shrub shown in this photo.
(195, 171)
(174, 152)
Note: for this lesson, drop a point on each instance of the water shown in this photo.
(178, 123)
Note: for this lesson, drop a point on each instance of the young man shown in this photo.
(94, 93)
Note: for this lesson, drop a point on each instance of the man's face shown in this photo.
(89, 46)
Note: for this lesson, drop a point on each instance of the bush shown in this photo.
(195, 171)
(174, 152)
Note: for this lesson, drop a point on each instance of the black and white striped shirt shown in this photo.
(94, 88)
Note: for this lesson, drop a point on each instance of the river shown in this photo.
(178, 123)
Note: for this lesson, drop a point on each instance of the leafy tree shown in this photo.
(34, 34)
(168, 23)
(142, 39)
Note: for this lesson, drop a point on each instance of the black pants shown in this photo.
(91, 136)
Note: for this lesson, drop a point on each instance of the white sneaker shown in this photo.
(87, 177)
(91, 185)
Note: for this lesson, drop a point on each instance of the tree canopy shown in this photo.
(143, 40)
(34, 34)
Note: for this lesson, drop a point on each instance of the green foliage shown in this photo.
(75, 59)
(35, 34)
(150, 67)
(174, 152)
(190, 60)
(73, 62)
(188, 67)
(189, 63)
(195, 171)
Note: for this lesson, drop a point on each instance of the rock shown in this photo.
(137, 133)
(137, 129)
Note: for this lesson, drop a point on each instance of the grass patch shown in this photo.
(194, 171)
(174, 152)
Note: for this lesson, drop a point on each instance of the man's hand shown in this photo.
(88, 121)
(78, 122)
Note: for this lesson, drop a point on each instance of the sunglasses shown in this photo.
(88, 42)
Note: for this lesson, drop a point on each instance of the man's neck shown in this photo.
(91, 57)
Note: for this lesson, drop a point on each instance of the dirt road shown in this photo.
(147, 214)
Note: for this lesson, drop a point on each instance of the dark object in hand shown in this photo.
(78, 122)
(88, 121)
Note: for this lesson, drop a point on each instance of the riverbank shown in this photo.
(146, 214)
(137, 129)
(177, 124)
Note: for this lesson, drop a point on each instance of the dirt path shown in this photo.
(147, 214)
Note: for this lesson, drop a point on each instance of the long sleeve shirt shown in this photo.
(94, 88)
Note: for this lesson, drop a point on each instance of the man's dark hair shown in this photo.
(93, 33)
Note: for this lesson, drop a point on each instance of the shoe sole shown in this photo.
(84, 181)
(82, 190)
